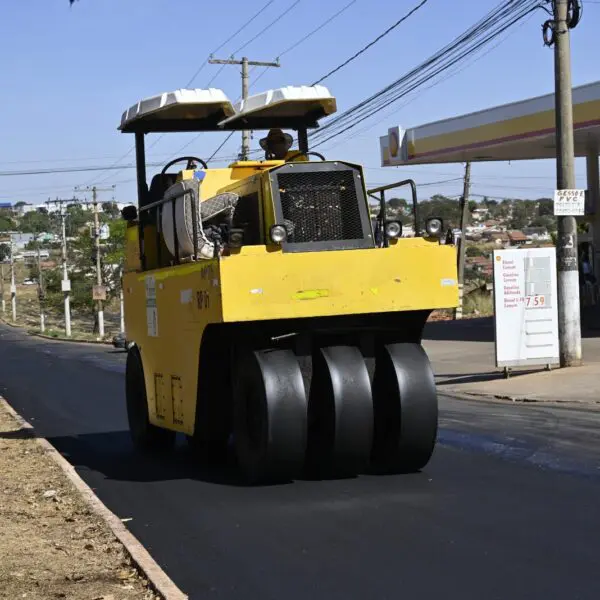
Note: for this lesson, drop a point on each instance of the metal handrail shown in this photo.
(381, 191)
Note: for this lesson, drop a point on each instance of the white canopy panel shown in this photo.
(181, 110)
(287, 107)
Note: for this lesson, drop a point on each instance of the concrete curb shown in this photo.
(515, 399)
(159, 580)
(55, 339)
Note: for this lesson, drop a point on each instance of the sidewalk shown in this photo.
(462, 355)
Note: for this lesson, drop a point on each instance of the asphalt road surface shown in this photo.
(508, 507)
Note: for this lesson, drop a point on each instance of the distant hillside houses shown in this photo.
(22, 208)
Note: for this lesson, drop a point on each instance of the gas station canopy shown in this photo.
(518, 131)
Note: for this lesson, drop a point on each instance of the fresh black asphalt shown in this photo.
(508, 508)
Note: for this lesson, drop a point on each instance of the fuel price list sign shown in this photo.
(525, 307)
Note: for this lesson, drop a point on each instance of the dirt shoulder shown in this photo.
(52, 545)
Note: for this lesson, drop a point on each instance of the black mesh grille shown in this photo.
(320, 206)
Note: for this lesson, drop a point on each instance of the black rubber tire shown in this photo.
(340, 414)
(145, 436)
(405, 407)
(269, 416)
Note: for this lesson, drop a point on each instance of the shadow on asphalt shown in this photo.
(112, 454)
(467, 330)
(454, 378)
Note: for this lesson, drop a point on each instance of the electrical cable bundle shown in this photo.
(502, 17)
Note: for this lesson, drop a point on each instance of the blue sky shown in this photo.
(68, 73)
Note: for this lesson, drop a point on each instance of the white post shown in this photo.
(65, 274)
(122, 301)
(13, 284)
(2, 288)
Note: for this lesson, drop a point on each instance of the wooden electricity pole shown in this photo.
(245, 63)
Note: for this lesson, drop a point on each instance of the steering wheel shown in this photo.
(307, 154)
(189, 165)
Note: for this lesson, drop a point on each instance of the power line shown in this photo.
(231, 37)
(505, 15)
(370, 44)
(451, 73)
(308, 36)
(258, 13)
(266, 28)
(493, 24)
(289, 49)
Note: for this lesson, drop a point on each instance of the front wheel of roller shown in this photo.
(270, 413)
(406, 411)
(145, 436)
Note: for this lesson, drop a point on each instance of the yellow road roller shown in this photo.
(270, 317)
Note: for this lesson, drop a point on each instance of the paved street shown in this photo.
(508, 507)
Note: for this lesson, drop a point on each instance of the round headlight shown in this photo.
(236, 237)
(434, 226)
(278, 234)
(393, 229)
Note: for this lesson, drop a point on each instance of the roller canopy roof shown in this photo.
(290, 107)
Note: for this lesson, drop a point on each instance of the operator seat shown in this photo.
(159, 185)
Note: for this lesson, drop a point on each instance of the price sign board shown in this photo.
(525, 307)
(569, 203)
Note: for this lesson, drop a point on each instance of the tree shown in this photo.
(7, 224)
(111, 209)
(76, 219)
(397, 204)
(545, 207)
(35, 222)
(474, 251)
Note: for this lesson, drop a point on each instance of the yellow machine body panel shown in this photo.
(167, 311)
(412, 274)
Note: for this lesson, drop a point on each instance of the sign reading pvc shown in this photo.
(569, 203)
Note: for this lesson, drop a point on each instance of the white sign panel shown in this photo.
(525, 307)
(569, 203)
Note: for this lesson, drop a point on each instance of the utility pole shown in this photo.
(245, 63)
(569, 318)
(462, 246)
(100, 292)
(65, 284)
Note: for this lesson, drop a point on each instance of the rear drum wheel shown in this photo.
(406, 411)
(270, 416)
(145, 436)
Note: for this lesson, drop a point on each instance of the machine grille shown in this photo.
(320, 206)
